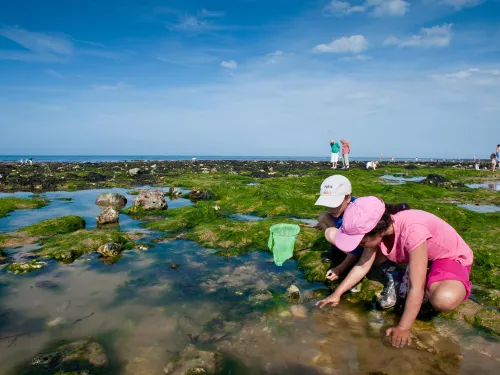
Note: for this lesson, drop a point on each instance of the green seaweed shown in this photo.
(68, 247)
(11, 204)
(60, 225)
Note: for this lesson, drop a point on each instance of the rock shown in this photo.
(111, 199)
(293, 293)
(111, 249)
(89, 355)
(298, 311)
(198, 195)
(134, 171)
(153, 199)
(174, 192)
(25, 267)
(213, 170)
(174, 266)
(440, 181)
(108, 216)
(193, 361)
(47, 284)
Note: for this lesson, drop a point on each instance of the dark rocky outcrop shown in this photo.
(198, 195)
(440, 181)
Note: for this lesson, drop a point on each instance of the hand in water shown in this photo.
(333, 274)
(399, 336)
(333, 300)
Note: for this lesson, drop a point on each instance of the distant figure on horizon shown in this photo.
(392, 158)
(416, 160)
(335, 153)
(380, 157)
(474, 160)
(346, 150)
(30, 161)
(22, 161)
(493, 162)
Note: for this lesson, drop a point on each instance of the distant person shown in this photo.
(372, 165)
(498, 152)
(22, 161)
(494, 162)
(392, 158)
(336, 196)
(346, 150)
(416, 160)
(474, 160)
(30, 161)
(380, 157)
(335, 153)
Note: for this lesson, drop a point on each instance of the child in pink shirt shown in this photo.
(410, 237)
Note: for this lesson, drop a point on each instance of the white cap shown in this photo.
(333, 191)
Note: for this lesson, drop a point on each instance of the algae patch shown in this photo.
(11, 204)
(60, 225)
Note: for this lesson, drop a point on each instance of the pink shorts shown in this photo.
(449, 269)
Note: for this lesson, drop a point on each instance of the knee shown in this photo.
(445, 300)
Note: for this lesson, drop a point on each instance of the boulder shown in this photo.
(153, 199)
(440, 181)
(111, 200)
(198, 195)
(134, 171)
(108, 216)
(111, 249)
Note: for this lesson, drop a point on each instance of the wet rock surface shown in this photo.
(114, 200)
(108, 216)
(194, 361)
(151, 200)
(84, 356)
(439, 181)
(110, 249)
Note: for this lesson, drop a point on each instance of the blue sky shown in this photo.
(250, 77)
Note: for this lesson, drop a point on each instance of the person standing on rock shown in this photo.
(346, 150)
(336, 196)
(494, 162)
(335, 153)
(411, 237)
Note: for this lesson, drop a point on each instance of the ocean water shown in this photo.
(116, 158)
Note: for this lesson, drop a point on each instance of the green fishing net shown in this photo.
(282, 241)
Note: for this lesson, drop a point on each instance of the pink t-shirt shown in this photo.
(413, 227)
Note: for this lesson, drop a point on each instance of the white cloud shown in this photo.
(436, 36)
(377, 8)
(231, 64)
(472, 75)
(204, 13)
(353, 44)
(40, 46)
(275, 53)
(356, 58)
(460, 4)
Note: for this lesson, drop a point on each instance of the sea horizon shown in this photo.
(122, 158)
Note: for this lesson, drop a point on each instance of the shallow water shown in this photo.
(488, 185)
(482, 209)
(145, 312)
(399, 179)
(82, 204)
(246, 217)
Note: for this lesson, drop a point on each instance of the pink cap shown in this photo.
(360, 217)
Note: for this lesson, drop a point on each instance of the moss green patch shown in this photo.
(11, 204)
(60, 225)
(68, 247)
(25, 267)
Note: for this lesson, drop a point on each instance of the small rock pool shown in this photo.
(144, 312)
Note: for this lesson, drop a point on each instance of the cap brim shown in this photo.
(347, 243)
(330, 200)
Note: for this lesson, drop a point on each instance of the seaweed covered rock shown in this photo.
(194, 361)
(152, 199)
(114, 200)
(108, 216)
(25, 267)
(440, 181)
(198, 195)
(111, 249)
(84, 356)
(134, 171)
(59, 225)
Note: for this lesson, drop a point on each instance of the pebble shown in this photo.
(299, 311)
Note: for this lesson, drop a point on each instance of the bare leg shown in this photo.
(446, 295)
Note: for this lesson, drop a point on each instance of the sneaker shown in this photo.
(389, 297)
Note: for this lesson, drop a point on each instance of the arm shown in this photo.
(357, 273)
(418, 275)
